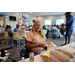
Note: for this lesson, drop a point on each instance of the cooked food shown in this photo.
(50, 44)
(57, 55)
(46, 59)
(67, 53)
(54, 59)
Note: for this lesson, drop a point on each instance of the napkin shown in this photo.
(47, 53)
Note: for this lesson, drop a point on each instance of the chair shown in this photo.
(26, 33)
(54, 33)
(6, 37)
(5, 34)
(22, 35)
(16, 37)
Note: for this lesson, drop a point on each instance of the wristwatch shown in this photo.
(35, 45)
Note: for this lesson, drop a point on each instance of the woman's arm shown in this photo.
(31, 45)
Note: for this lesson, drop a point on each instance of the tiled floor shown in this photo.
(16, 56)
(59, 41)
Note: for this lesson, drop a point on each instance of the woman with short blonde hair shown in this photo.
(35, 38)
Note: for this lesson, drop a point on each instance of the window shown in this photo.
(53, 21)
(47, 22)
(29, 21)
(59, 21)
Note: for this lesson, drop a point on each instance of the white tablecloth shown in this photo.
(67, 48)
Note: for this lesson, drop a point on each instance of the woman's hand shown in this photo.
(40, 45)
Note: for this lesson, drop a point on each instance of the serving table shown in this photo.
(37, 58)
(67, 48)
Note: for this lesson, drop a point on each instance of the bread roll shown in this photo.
(67, 53)
(58, 56)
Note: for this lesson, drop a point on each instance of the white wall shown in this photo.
(13, 23)
(49, 17)
(40, 18)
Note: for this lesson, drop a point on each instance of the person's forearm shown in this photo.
(31, 45)
(66, 20)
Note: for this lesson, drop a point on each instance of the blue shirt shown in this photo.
(69, 25)
(15, 30)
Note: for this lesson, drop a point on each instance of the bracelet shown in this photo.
(35, 45)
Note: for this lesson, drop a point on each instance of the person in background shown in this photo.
(6, 27)
(17, 28)
(33, 21)
(62, 29)
(54, 27)
(30, 28)
(57, 26)
(35, 38)
(58, 32)
(45, 31)
(9, 31)
(46, 27)
(69, 27)
(51, 26)
(26, 26)
(23, 27)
